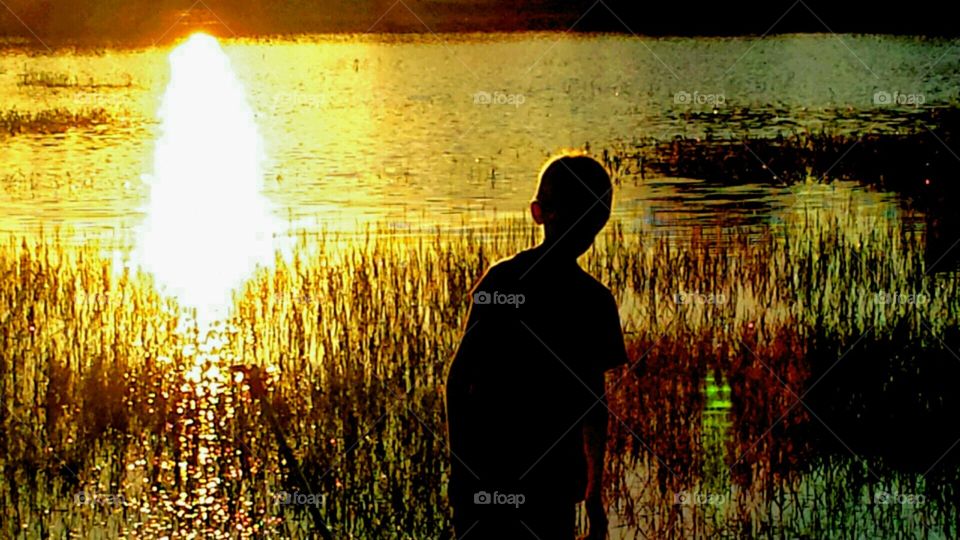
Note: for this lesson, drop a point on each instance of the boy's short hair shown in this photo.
(576, 188)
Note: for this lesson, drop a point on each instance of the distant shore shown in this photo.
(135, 23)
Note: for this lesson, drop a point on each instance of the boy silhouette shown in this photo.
(527, 421)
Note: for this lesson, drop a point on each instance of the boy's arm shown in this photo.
(595, 444)
(460, 379)
(612, 354)
(458, 384)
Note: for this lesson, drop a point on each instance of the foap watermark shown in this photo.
(405, 227)
(698, 298)
(298, 101)
(296, 498)
(700, 498)
(656, 224)
(97, 298)
(102, 101)
(912, 299)
(887, 498)
(714, 99)
(497, 298)
(498, 98)
(882, 97)
(497, 498)
(93, 498)
(300, 298)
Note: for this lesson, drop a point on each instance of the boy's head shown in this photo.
(573, 202)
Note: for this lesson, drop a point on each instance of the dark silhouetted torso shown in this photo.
(529, 369)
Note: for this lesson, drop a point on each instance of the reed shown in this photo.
(110, 389)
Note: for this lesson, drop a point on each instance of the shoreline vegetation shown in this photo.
(117, 416)
(50, 121)
(916, 161)
(147, 22)
(59, 79)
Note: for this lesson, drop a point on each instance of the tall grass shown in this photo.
(48, 121)
(110, 390)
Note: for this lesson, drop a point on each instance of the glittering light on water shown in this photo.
(208, 224)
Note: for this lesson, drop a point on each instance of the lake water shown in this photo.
(399, 130)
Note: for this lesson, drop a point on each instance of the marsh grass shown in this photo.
(111, 390)
(49, 121)
(57, 79)
(914, 160)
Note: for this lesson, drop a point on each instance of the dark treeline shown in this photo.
(147, 20)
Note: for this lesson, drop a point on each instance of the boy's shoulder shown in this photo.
(514, 267)
(513, 264)
(525, 263)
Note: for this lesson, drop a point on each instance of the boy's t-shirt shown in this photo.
(540, 335)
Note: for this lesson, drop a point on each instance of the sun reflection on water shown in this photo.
(208, 225)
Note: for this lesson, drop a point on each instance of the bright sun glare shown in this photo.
(207, 223)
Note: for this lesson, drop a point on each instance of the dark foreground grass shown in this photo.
(119, 419)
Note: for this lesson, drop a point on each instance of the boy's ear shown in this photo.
(537, 212)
